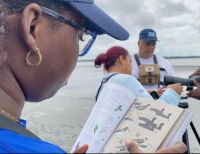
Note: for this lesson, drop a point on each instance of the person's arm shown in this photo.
(170, 70)
(196, 92)
(197, 72)
(167, 66)
(172, 94)
(132, 84)
(177, 148)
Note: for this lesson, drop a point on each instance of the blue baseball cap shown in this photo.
(148, 35)
(97, 19)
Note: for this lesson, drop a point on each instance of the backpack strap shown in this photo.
(162, 70)
(155, 59)
(102, 83)
(139, 63)
(7, 123)
(137, 59)
(156, 62)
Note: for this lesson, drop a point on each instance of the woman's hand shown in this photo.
(177, 148)
(160, 91)
(82, 149)
(177, 87)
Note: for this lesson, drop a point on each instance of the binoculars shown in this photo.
(186, 82)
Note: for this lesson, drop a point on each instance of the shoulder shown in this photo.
(123, 78)
(131, 83)
(16, 143)
(160, 57)
(163, 60)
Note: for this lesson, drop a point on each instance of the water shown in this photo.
(60, 119)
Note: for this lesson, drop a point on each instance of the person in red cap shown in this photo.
(39, 48)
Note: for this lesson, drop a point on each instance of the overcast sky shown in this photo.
(177, 23)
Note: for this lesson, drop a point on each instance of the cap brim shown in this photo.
(99, 21)
(150, 40)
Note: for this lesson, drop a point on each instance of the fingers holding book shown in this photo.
(82, 149)
(132, 147)
(177, 148)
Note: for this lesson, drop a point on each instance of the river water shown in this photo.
(60, 119)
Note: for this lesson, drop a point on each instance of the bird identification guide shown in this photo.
(119, 115)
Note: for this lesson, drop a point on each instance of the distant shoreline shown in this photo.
(184, 61)
(167, 57)
(181, 57)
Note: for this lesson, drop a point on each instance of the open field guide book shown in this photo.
(119, 115)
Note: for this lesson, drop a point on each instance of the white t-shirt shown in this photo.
(162, 62)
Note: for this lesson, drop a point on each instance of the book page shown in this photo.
(113, 103)
(147, 123)
(179, 128)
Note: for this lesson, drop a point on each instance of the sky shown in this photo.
(177, 23)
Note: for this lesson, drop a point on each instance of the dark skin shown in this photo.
(196, 92)
(28, 31)
(19, 81)
(33, 28)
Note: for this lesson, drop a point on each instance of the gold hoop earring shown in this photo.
(28, 56)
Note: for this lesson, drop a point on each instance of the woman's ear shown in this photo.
(28, 25)
(121, 59)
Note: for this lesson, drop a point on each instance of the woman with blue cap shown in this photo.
(39, 47)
